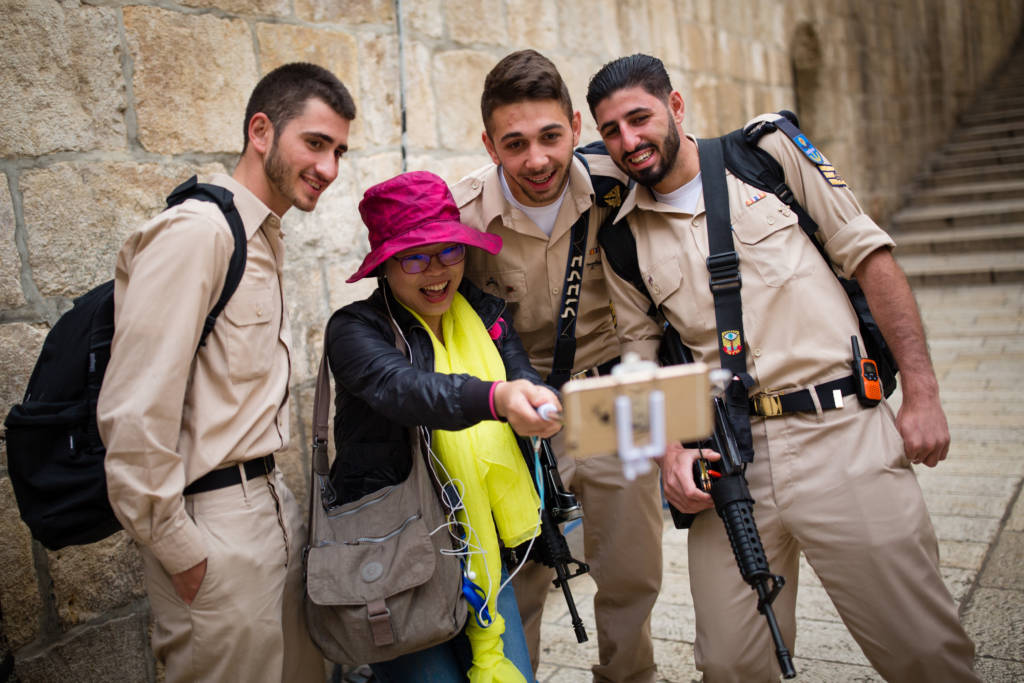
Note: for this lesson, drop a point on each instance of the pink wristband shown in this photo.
(490, 400)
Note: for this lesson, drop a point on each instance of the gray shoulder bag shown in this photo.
(378, 584)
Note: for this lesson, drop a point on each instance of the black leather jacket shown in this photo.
(380, 393)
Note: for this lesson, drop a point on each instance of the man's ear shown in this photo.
(261, 133)
(677, 106)
(577, 128)
(489, 146)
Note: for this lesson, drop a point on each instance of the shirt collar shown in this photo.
(253, 212)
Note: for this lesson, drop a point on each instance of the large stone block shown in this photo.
(10, 262)
(458, 81)
(92, 580)
(336, 51)
(19, 590)
(60, 72)
(420, 107)
(533, 23)
(115, 650)
(450, 168)
(275, 8)
(73, 243)
(476, 21)
(346, 11)
(424, 17)
(192, 79)
(589, 27)
(379, 102)
(19, 347)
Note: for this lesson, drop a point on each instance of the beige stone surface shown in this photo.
(533, 23)
(585, 28)
(10, 262)
(346, 11)
(19, 591)
(114, 650)
(993, 620)
(476, 21)
(277, 8)
(73, 243)
(450, 168)
(458, 80)
(19, 347)
(424, 17)
(92, 580)
(379, 105)
(193, 74)
(60, 72)
(420, 112)
(1005, 562)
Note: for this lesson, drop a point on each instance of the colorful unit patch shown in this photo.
(613, 197)
(756, 198)
(731, 342)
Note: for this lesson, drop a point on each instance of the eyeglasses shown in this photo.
(417, 263)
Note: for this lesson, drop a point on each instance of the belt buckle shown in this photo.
(582, 374)
(768, 405)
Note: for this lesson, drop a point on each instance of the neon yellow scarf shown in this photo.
(497, 493)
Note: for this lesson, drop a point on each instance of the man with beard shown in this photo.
(831, 477)
(191, 435)
(539, 198)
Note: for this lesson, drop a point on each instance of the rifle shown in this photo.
(727, 484)
(557, 506)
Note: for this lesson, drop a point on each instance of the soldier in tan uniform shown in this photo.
(532, 196)
(834, 482)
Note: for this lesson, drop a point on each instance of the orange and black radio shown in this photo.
(865, 372)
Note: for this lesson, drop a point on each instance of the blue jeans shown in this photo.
(448, 662)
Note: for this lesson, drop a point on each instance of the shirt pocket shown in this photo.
(778, 246)
(250, 337)
(665, 282)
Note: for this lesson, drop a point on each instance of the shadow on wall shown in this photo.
(806, 62)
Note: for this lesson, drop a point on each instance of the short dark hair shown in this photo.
(626, 72)
(282, 95)
(523, 75)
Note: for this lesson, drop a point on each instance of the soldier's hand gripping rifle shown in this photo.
(727, 484)
(557, 506)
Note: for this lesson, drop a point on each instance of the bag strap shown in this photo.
(225, 201)
(725, 282)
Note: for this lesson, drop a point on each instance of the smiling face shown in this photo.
(303, 158)
(430, 292)
(641, 133)
(532, 141)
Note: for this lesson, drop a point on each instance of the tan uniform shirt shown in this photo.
(167, 415)
(797, 319)
(529, 271)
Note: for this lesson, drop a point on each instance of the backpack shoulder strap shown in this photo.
(225, 201)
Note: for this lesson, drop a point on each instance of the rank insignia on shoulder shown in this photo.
(756, 198)
(831, 175)
(613, 197)
(732, 344)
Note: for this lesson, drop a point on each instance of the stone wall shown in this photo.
(107, 104)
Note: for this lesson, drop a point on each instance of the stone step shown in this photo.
(994, 238)
(991, 116)
(962, 214)
(965, 192)
(971, 268)
(1002, 100)
(1003, 143)
(1004, 128)
(971, 174)
(982, 158)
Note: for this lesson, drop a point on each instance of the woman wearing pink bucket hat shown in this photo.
(429, 349)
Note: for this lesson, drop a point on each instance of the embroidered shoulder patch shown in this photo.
(827, 170)
(613, 197)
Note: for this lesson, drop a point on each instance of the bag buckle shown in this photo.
(767, 405)
(724, 270)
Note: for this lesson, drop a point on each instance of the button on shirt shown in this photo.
(168, 415)
(529, 271)
(797, 319)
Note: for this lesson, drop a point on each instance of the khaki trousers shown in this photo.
(246, 622)
(622, 527)
(837, 487)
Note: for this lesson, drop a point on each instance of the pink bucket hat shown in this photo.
(412, 210)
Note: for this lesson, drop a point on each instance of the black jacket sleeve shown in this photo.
(366, 363)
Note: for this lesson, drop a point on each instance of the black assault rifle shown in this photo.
(550, 548)
(727, 484)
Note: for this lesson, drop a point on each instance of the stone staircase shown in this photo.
(964, 222)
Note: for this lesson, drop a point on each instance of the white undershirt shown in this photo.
(542, 216)
(683, 198)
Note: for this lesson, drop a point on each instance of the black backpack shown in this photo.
(754, 166)
(54, 452)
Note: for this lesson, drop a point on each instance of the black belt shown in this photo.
(229, 476)
(770, 404)
(604, 368)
